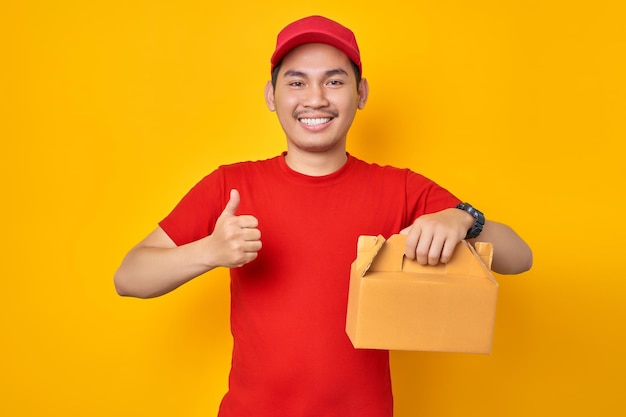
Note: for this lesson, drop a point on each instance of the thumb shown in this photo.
(233, 203)
(405, 231)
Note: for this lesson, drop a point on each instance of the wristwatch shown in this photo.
(479, 220)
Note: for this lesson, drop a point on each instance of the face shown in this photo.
(316, 98)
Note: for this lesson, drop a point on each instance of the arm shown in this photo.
(157, 266)
(511, 255)
(433, 237)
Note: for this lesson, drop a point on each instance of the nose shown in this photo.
(315, 97)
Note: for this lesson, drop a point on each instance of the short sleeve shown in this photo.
(195, 215)
(424, 196)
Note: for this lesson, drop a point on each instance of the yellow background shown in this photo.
(112, 110)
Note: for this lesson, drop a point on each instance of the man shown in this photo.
(288, 227)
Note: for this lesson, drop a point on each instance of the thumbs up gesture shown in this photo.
(236, 240)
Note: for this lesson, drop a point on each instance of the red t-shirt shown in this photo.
(291, 355)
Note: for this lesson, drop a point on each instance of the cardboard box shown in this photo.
(397, 304)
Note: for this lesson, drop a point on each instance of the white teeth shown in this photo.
(315, 122)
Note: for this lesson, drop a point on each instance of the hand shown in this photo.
(236, 240)
(432, 237)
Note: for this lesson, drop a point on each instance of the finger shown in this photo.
(252, 246)
(247, 222)
(405, 231)
(435, 250)
(422, 250)
(448, 250)
(233, 203)
(247, 258)
(411, 241)
(250, 235)
(249, 251)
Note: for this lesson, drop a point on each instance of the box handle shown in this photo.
(380, 255)
(462, 261)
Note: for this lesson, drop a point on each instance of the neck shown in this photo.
(315, 164)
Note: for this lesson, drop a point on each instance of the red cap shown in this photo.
(316, 29)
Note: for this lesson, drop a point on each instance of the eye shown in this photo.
(296, 84)
(335, 83)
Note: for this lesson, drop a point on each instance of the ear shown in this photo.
(364, 91)
(269, 96)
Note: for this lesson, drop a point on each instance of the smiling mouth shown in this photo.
(315, 121)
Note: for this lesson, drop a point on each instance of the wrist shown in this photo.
(478, 220)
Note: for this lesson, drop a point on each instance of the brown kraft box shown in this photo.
(397, 304)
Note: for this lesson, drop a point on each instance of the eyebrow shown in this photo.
(329, 73)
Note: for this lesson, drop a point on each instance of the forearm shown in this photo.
(511, 255)
(150, 271)
(157, 265)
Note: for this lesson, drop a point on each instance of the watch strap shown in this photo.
(479, 220)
